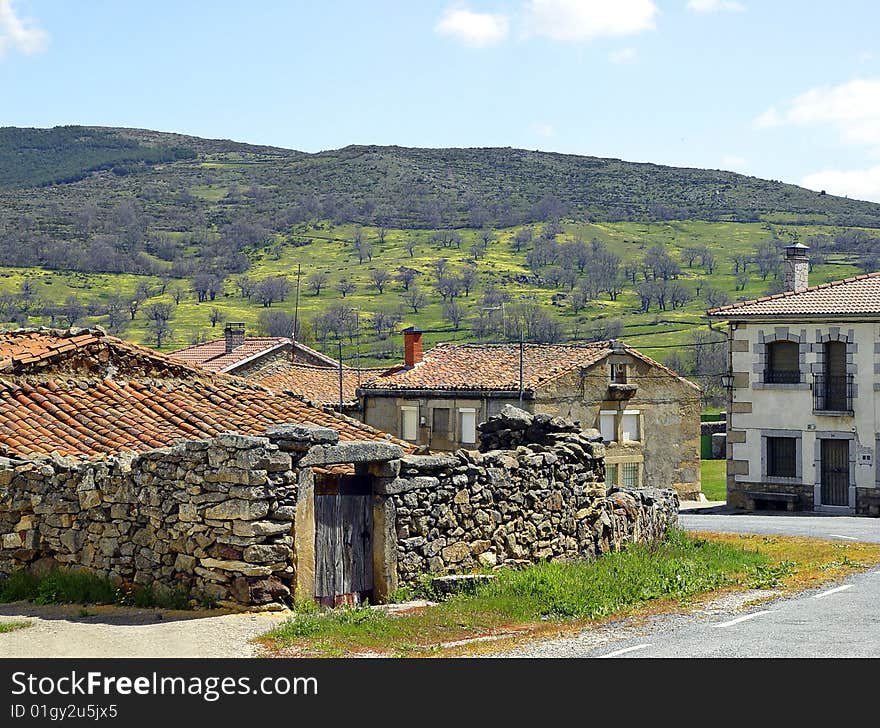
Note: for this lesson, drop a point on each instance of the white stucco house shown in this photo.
(803, 423)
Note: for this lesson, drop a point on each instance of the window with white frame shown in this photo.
(409, 423)
(467, 417)
(630, 425)
(608, 425)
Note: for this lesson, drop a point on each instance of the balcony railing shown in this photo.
(782, 376)
(833, 393)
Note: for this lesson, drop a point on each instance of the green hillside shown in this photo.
(163, 237)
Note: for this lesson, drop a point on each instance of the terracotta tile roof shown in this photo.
(90, 395)
(212, 354)
(494, 367)
(857, 296)
(317, 384)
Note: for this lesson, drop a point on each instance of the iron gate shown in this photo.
(835, 472)
(343, 539)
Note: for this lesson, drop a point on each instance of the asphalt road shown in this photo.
(838, 620)
(843, 528)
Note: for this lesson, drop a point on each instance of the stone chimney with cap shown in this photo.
(796, 268)
(234, 336)
(412, 346)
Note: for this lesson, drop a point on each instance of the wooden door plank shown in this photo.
(367, 520)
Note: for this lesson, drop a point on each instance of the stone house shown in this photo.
(649, 417)
(236, 353)
(116, 461)
(283, 365)
(802, 424)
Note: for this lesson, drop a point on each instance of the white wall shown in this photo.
(790, 407)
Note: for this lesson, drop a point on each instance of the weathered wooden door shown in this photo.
(835, 472)
(343, 539)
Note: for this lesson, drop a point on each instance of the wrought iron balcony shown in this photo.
(782, 376)
(833, 393)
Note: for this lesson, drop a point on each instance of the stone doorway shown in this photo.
(343, 539)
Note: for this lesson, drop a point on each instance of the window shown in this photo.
(610, 475)
(409, 423)
(782, 457)
(783, 363)
(608, 425)
(631, 473)
(468, 424)
(440, 421)
(618, 373)
(631, 425)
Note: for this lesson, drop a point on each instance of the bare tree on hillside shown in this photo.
(380, 278)
(316, 281)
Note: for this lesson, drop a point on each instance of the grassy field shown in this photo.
(553, 599)
(655, 332)
(713, 479)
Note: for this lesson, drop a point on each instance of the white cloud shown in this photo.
(733, 162)
(853, 108)
(863, 184)
(474, 29)
(714, 6)
(588, 19)
(624, 55)
(19, 35)
(545, 130)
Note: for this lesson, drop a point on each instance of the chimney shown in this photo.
(796, 268)
(412, 346)
(234, 336)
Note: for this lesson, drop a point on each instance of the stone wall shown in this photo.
(213, 516)
(535, 491)
(232, 517)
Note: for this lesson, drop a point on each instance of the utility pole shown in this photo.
(296, 305)
(340, 375)
(521, 347)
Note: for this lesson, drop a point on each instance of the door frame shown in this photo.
(817, 487)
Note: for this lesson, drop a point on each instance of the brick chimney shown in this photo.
(234, 336)
(412, 346)
(796, 268)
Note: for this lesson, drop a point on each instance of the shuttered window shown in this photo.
(631, 426)
(608, 425)
(468, 425)
(409, 423)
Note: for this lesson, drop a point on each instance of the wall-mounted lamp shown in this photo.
(727, 381)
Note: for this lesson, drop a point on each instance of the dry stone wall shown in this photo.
(536, 491)
(232, 517)
(213, 516)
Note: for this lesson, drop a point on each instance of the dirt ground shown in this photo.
(71, 631)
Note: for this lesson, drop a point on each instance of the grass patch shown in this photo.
(555, 598)
(12, 626)
(679, 568)
(713, 479)
(79, 586)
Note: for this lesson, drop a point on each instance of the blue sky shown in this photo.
(774, 88)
